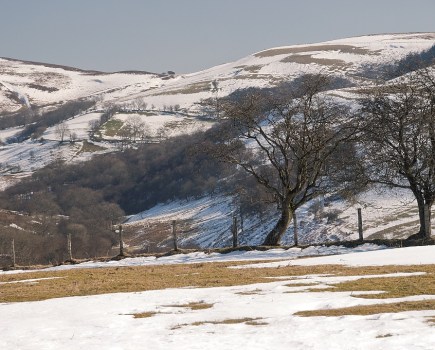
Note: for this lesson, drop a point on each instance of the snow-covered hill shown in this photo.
(26, 83)
(168, 103)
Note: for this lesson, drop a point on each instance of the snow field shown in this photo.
(256, 316)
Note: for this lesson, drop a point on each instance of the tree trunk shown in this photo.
(427, 221)
(424, 212)
(295, 229)
(274, 236)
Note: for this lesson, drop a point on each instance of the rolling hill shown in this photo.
(169, 104)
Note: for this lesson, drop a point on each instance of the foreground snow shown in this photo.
(106, 321)
(201, 257)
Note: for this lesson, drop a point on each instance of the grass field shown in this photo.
(44, 285)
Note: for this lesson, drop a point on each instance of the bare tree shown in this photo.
(284, 141)
(161, 134)
(72, 136)
(61, 130)
(138, 129)
(94, 126)
(215, 90)
(400, 139)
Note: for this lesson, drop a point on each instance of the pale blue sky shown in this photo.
(189, 35)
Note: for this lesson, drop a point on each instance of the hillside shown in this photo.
(169, 105)
(37, 84)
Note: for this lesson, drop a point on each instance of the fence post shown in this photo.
(69, 247)
(174, 234)
(121, 243)
(360, 227)
(234, 231)
(13, 253)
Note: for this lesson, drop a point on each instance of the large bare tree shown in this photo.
(400, 139)
(285, 140)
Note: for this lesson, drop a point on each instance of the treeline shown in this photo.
(407, 64)
(135, 179)
(86, 199)
(37, 122)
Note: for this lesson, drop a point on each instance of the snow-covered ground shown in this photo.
(262, 314)
(202, 257)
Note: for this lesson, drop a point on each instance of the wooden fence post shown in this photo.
(121, 243)
(174, 234)
(13, 253)
(234, 231)
(70, 258)
(360, 227)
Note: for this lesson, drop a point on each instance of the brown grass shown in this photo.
(200, 305)
(250, 292)
(112, 127)
(300, 284)
(301, 49)
(373, 309)
(308, 59)
(79, 282)
(189, 89)
(90, 147)
(247, 320)
(145, 314)
(393, 287)
(253, 68)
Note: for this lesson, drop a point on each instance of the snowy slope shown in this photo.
(345, 58)
(206, 222)
(43, 84)
(37, 84)
(24, 84)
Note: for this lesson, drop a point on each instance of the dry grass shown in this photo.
(189, 89)
(247, 320)
(384, 335)
(251, 292)
(145, 314)
(79, 282)
(308, 59)
(393, 287)
(256, 323)
(112, 127)
(300, 284)
(90, 147)
(373, 309)
(200, 305)
(301, 49)
(253, 68)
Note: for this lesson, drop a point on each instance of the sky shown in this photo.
(189, 35)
